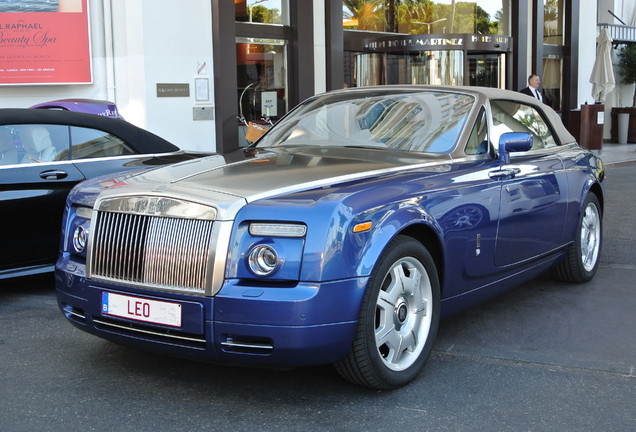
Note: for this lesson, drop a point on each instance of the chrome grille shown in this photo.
(164, 252)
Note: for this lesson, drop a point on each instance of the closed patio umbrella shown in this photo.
(602, 77)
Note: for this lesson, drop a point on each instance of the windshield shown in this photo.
(428, 122)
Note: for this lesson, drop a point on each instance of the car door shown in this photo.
(533, 203)
(33, 192)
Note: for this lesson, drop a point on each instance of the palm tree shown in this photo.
(366, 13)
(412, 12)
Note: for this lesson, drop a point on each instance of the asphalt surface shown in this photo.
(546, 356)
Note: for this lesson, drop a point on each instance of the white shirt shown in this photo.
(537, 94)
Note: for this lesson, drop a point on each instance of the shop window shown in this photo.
(553, 22)
(446, 16)
(262, 11)
(262, 81)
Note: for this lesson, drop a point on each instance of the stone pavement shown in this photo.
(617, 155)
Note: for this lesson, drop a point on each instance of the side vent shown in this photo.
(246, 345)
(74, 314)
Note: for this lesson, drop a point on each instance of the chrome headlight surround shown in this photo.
(267, 250)
(263, 260)
(79, 229)
(80, 238)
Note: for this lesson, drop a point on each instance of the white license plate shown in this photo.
(141, 309)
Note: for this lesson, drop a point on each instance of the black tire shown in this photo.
(398, 320)
(584, 254)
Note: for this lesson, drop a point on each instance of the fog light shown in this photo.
(263, 260)
(80, 238)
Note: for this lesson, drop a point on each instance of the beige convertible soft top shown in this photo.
(554, 118)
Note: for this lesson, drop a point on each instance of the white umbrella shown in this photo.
(602, 78)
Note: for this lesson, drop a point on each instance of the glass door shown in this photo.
(487, 70)
(552, 81)
(262, 84)
(439, 67)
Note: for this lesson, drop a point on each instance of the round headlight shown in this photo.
(263, 260)
(80, 238)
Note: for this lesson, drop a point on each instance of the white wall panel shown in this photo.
(164, 42)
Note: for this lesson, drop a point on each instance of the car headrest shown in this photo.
(38, 139)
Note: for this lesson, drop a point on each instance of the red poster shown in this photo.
(44, 42)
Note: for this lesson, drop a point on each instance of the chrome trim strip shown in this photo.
(133, 156)
(247, 345)
(70, 310)
(79, 315)
(218, 260)
(133, 329)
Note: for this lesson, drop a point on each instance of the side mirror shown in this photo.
(513, 142)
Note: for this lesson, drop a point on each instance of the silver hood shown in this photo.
(228, 182)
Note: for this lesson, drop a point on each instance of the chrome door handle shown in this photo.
(504, 173)
(53, 175)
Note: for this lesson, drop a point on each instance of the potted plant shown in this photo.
(627, 66)
(627, 72)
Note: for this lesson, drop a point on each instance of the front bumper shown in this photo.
(307, 324)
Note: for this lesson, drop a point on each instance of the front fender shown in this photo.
(361, 251)
(397, 222)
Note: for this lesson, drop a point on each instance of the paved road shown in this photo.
(546, 356)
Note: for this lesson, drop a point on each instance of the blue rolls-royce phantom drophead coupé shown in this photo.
(343, 235)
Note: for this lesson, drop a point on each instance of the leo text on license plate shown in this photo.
(141, 309)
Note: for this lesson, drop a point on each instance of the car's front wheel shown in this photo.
(398, 320)
(583, 256)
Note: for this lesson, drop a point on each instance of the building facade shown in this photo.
(196, 72)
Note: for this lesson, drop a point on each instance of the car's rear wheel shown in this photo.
(582, 259)
(398, 320)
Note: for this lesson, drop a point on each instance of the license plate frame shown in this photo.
(142, 309)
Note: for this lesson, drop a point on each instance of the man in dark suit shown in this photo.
(533, 88)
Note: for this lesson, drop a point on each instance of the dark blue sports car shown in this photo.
(342, 236)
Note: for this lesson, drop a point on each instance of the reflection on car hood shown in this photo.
(242, 177)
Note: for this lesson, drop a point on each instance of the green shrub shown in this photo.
(627, 66)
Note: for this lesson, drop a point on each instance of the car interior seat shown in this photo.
(8, 152)
(38, 145)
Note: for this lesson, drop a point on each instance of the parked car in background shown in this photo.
(89, 106)
(341, 236)
(43, 154)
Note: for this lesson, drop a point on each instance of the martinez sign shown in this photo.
(428, 42)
